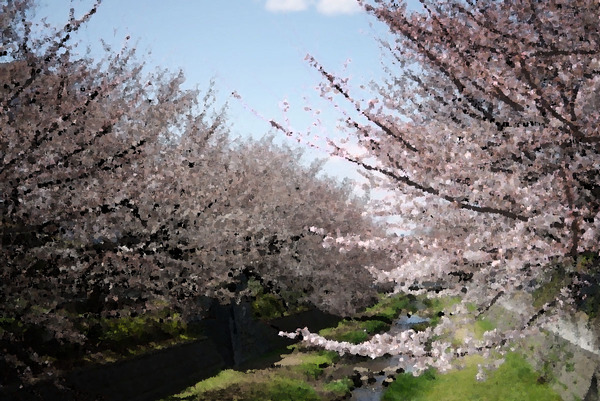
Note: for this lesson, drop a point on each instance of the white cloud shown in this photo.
(287, 5)
(331, 7)
(327, 7)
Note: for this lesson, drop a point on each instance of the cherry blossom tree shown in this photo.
(485, 132)
(120, 193)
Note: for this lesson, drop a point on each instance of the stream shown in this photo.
(374, 391)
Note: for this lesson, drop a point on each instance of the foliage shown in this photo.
(267, 306)
(550, 289)
(121, 329)
(514, 380)
(581, 277)
(109, 338)
(132, 335)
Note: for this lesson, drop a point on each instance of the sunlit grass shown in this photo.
(339, 387)
(515, 380)
(297, 377)
(276, 388)
(312, 364)
(224, 379)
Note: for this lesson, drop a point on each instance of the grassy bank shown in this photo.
(309, 374)
(299, 375)
(514, 380)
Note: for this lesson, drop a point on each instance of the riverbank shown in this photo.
(303, 373)
(244, 359)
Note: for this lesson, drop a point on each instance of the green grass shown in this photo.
(285, 389)
(312, 363)
(277, 388)
(354, 331)
(389, 307)
(306, 374)
(481, 326)
(407, 387)
(436, 305)
(299, 376)
(224, 379)
(515, 380)
(338, 387)
(474, 330)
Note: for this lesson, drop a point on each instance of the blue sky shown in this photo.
(254, 47)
